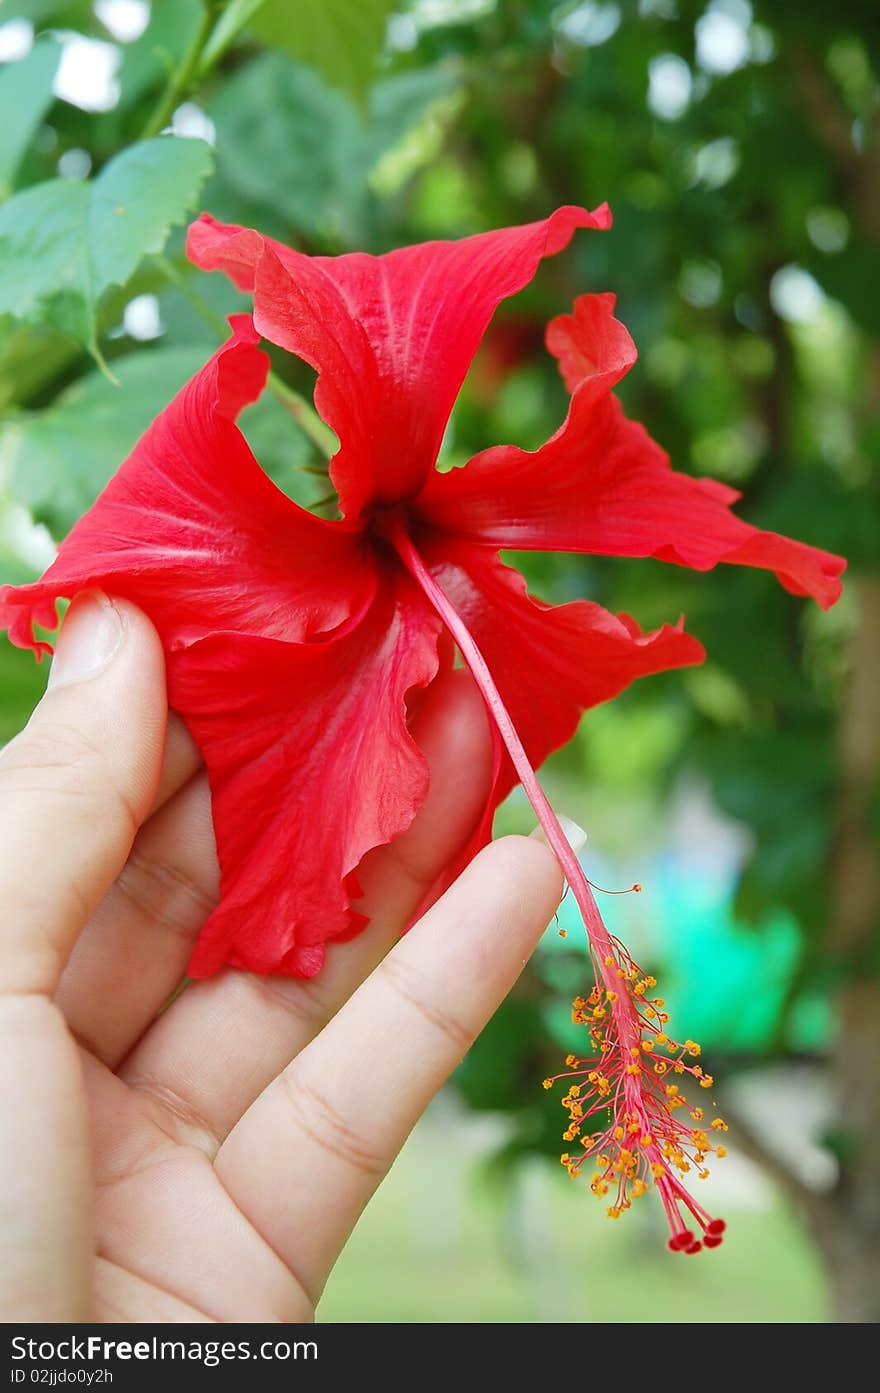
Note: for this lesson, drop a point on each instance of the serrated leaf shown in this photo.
(62, 457)
(342, 39)
(25, 97)
(63, 243)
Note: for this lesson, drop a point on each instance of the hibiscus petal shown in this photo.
(550, 663)
(193, 530)
(391, 337)
(602, 485)
(311, 765)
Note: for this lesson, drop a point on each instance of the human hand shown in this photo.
(207, 1162)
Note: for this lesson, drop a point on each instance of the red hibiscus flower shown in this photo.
(293, 642)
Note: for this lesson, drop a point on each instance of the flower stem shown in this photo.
(184, 76)
(638, 1101)
(305, 415)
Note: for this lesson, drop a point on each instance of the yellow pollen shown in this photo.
(613, 1212)
(707, 1081)
(548, 1083)
(633, 1069)
(657, 1170)
(720, 1151)
(718, 1124)
(609, 961)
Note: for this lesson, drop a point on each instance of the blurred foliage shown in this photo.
(739, 146)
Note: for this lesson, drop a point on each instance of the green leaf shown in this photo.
(62, 457)
(30, 357)
(267, 118)
(59, 14)
(63, 243)
(342, 39)
(21, 684)
(25, 97)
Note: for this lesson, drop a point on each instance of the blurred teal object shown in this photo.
(725, 983)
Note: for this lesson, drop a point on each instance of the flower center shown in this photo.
(389, 520)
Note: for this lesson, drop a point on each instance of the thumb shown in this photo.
(76, 784)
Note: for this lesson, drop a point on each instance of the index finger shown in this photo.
(307, 1156)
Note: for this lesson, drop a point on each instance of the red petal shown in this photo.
(311, 765)
(549, 663)
(193, 531)
(601, 485)
(391, 337)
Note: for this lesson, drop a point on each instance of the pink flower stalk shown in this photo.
(625, 1073)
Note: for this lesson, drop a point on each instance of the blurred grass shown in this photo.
(434, 1246)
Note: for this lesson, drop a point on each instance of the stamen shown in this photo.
(630, 889)
(621, 1072)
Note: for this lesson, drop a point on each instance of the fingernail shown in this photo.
(574, 835)
(89, 638)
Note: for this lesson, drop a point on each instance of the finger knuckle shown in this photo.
(164, 895)
(67, 763)
(416, 992)
(329, 1129)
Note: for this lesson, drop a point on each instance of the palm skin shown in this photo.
(207, 1161)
